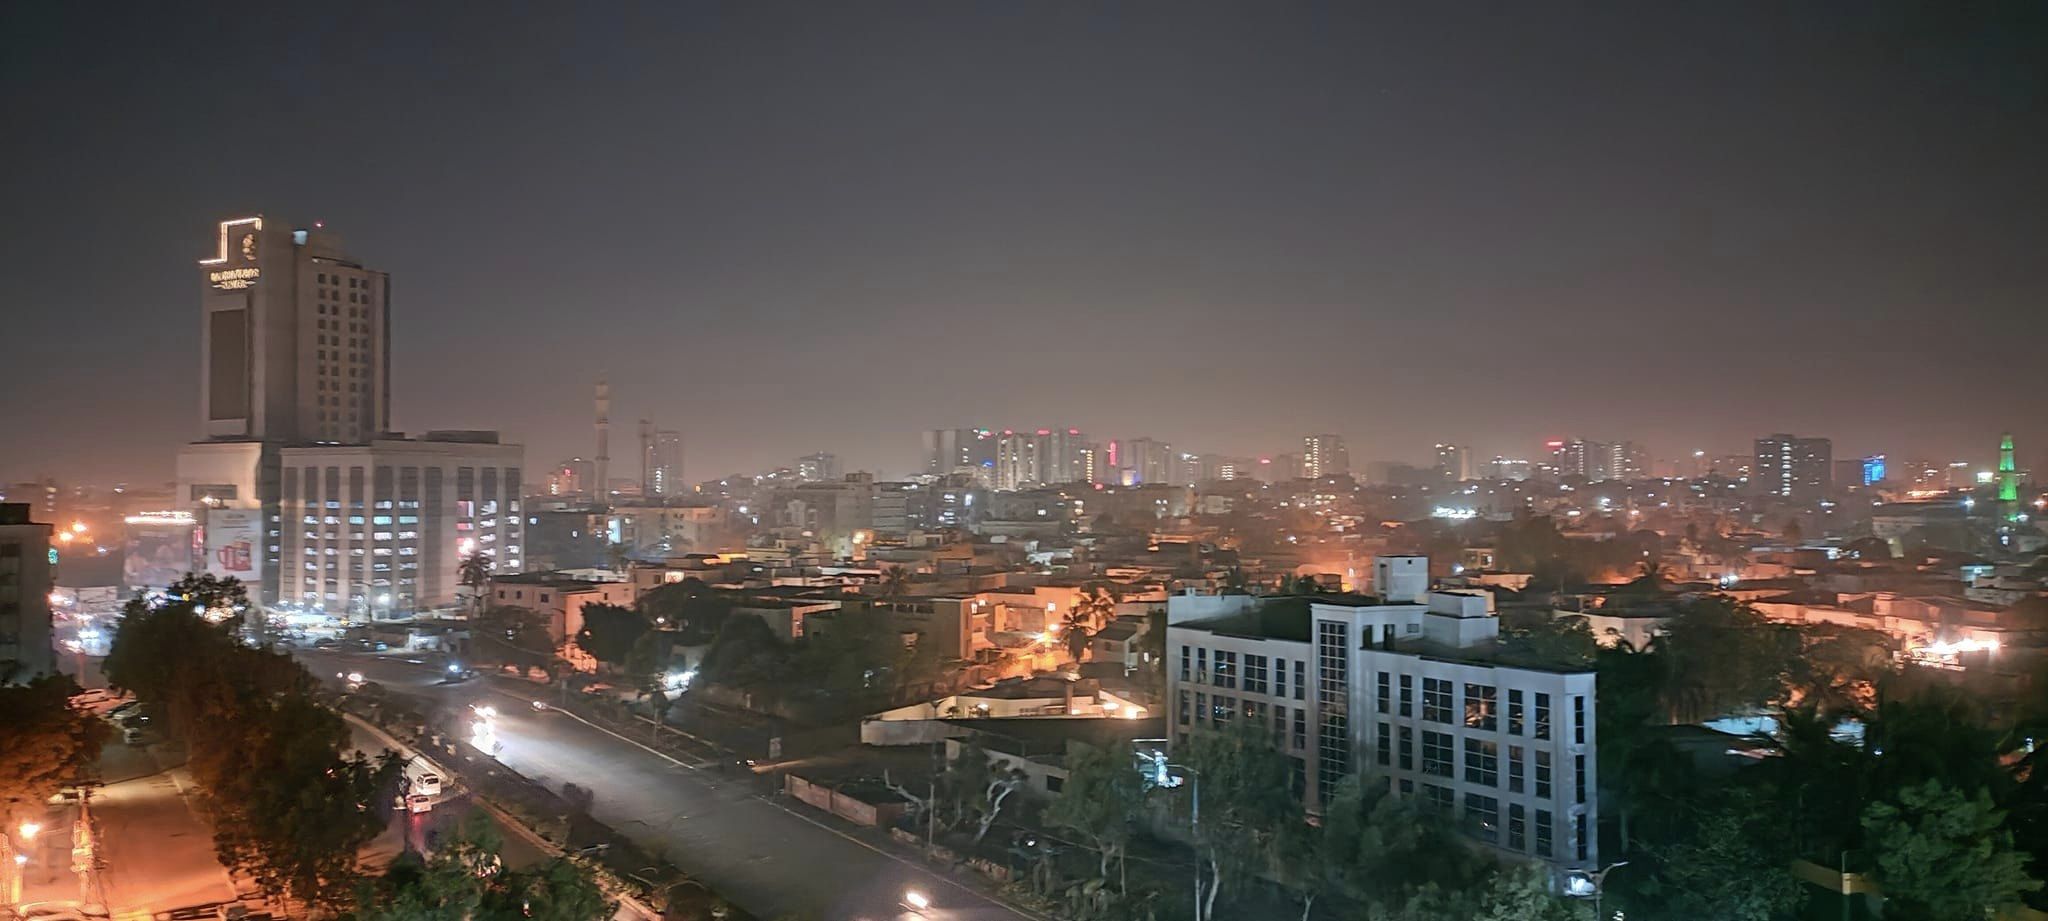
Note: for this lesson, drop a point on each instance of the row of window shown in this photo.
(1481, 710)
(1482, 760)
(1260, 674)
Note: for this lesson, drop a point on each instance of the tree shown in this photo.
(521, 634)
(609, 632)
(977, 788)
(1840, 669)
(1101, 797)
(466, 879)
(1721, 656)
(1731, 866)
(1097, 604)
(616, 556)
(1561, 642)
(1305, 584)
(746, 652)
(1075, 632)
(1247, 798)
(1945, 855)
(47, 745)
(1523, 894)
(472, 573)
(895, 581)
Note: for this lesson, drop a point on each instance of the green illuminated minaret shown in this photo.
(2008, 478)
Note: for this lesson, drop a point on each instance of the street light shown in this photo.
(1597, 882)
(29, 830)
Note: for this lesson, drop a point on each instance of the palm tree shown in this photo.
(895, 581)
(473, 572)
(1097, 605)
(1075, 630)
(616, 556)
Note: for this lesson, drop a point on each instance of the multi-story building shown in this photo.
(817, 468)
(25, 567)
(295, 337)
(1324, 455)
(379, 530)
(1404, 686)
(572, 478)
(1800, 469)
(1454, 462)
(661, 464)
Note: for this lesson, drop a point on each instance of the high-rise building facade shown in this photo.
(25, 569)
(661, 464)
(295, 337)
(1454, 462)
(1324, 455)
(1801, 469)
(817, 468)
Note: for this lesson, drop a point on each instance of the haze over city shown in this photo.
(1021, 461)
(774, 231)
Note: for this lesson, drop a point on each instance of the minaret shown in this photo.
(602, 466)
(646, 459)
(2008, 478)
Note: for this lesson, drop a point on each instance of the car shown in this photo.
(124, 710)
(540, 705)
(418, 803)
(92, 696)
(326, 642)
(135, 735)
(427, 785)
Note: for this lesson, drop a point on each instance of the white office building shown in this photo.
(379, 530)
(1403, 685)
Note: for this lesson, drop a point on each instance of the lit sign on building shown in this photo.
(234, 279)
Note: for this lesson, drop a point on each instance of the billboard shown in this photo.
(232, 545)
(160, 549)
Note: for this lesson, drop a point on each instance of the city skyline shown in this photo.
(1602, 274)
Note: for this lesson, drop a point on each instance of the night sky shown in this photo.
(828, 226)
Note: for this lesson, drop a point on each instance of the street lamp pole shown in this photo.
(1600, 887)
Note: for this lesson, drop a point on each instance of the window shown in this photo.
(1518, 827)
(1440, 799)
(1226, 669)
(1407, 748)
(1480, 706)
(1482, 762)
(1436, 700)
(1407, 695)
(1482, 817)
(1221, 708)
(1407, 787)
(1542, 716)
(1515, 769)
(1385, 693)
(1514, 711)
(1542, 774)
(1579, 778)
(1386, 745)
(1579, 719)
(1333, 696)
(1255, 674)
(1185, 659)
(1579, 834)
(1543, 840)
(1201, 665)
(1280, 727)
(1183, 717)
(1300, 682)
(1436, 753)
(1279, 677)
(1300, 728)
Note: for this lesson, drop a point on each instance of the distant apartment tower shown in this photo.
(1801, 469)
(295, 337)
(820, 467)
(25, 650)
(661, 464)
(1631, 461)
(1454, 462)
(572, 477)
(1324, 455)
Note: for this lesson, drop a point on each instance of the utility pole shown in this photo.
(84, 855)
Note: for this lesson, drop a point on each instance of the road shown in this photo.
(770, 861)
